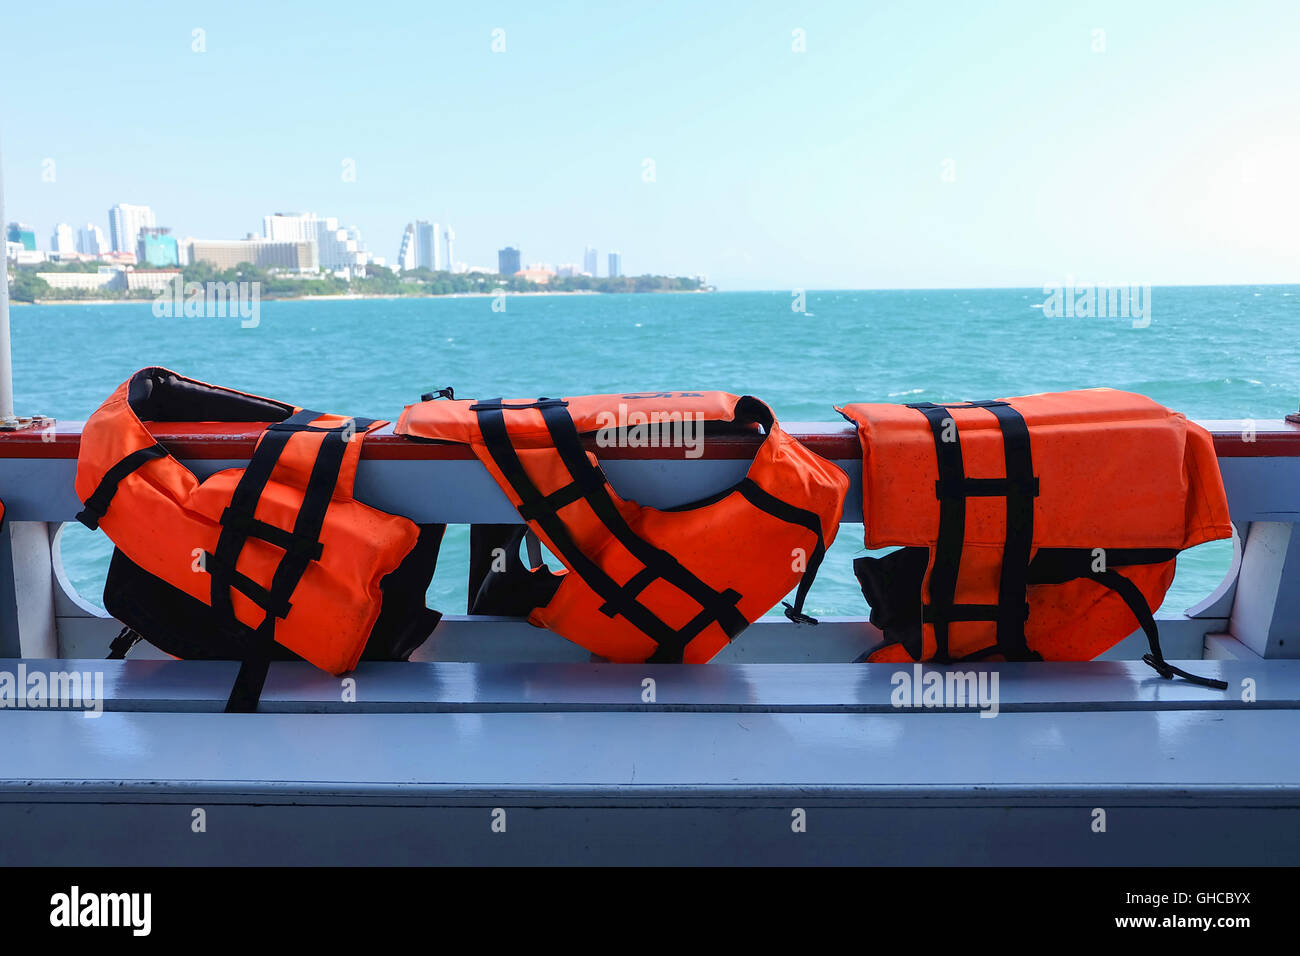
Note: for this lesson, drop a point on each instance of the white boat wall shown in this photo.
(503, 743)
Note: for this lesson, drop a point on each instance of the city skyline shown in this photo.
(134, 232)
(831, 147)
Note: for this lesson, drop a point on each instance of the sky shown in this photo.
(765, 145)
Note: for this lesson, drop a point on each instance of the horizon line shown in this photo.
(1018, 288)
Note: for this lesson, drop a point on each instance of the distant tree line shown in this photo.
(27, 286)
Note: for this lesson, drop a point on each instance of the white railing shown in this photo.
(1255, 612)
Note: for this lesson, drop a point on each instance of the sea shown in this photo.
(1212, 352)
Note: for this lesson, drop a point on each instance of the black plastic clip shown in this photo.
(447, 392)
(125, 640)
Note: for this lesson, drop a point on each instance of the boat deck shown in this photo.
(719, 769)
(505, 744)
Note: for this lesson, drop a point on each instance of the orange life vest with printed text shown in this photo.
(643, 584)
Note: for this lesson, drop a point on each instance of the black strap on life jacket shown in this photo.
(302, 545)
(97, 504)
(791, 514)
(1058, 565)
(588, 483)
(1132, 596)
(1052, 565)
(1019, 488)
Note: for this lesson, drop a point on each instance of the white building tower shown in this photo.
(124, 224)
(91, 241)
(63, 241)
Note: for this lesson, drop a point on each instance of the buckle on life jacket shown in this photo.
(448, 392)
(125, 640)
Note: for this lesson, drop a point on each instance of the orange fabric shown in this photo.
(163, 518)
(728, 543)
(453, 420)
(1115, 470)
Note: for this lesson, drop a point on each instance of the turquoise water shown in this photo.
(1211, 352)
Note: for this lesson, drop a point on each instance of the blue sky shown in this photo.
(1171, 157)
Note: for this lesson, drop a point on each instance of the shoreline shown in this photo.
(365, 297)
(352, 297)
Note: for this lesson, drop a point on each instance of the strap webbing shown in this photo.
(246, 691)
(952, 526)
(253, 528)
(719, 606)
(533, 545)
(99, 500)
(243, 501)
(620, 599)
(1132, 596)
(304, 546)
(1022, 488)
(793, 515)
(1058, 565)
(246, 586)
(1019, 487)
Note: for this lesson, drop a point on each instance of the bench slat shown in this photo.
(296, 687)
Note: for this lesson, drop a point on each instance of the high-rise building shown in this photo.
(157, 248)
(450, 235)
(589, 260)
(420, 248)
(63, 240)
(508, 261)
(427, 255)
(339, 248)
(291, 226)
(124, 224)
(22, 234)
(406, 254)
(615, 264)
(91, 241)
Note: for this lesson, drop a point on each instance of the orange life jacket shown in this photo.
(641, 583)
(275, 560)
(1030, 528)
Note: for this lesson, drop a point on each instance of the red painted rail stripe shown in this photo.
(206, 440)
